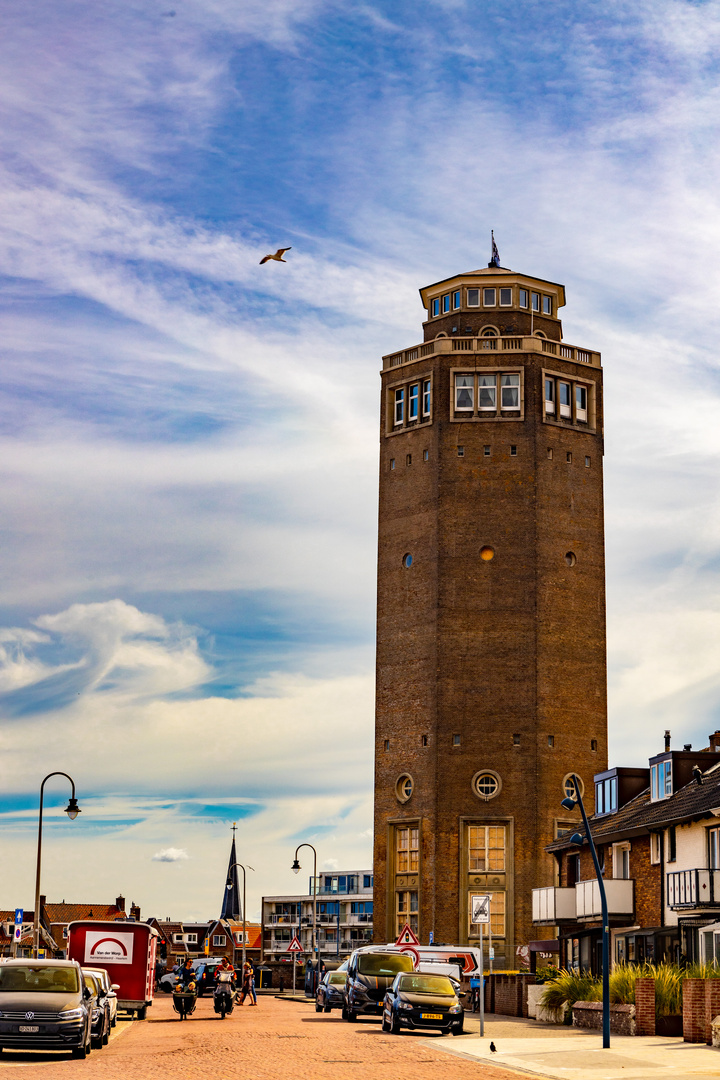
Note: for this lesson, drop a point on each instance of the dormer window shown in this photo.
(606, 796)
(661, 780)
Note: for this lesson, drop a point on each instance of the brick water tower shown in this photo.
(491, 670)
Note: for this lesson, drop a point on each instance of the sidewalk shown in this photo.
(563, 1053)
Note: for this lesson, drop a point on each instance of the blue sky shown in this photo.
(188, 441)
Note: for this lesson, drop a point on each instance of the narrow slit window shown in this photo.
(456, 739)
(426, 455)
(461, 451)
(550, 396)
(568, 457)
(486, 451)
(551, 740)
(400, 406)
(408, 459)
(509, 391)
(392, 462)
(423, 740)
(487, 392)
(587, 462)
(550, 453)
(464, 393)
(413, 401)
(513, 451)
(387, 744)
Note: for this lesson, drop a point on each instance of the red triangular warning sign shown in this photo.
(407, 937)
(294, 945)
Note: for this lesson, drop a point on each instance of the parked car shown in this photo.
(370, 974)
(44, 1005)
(110, 991)
(416, 1000)
(330, 992)
(100, 1024)
(206, 974)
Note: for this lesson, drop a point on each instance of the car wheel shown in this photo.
(394, 1025)
(352, 1016)
(458, 1029)
(328, 1008)
(318, 1007)
(79, 1052)
(385, 1025)
(344, 1012)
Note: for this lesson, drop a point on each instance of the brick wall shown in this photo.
(694, 1023)
(645, 1006)
(507, 994)
(712, 1006)
(588, 1014)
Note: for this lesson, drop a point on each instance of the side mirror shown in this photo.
(86, 994)
(115, 986)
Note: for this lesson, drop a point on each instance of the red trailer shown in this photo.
(127, 952)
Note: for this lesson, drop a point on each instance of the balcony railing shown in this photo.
(281, 920)
(620, 893)
(693, 888)
(481, 345)
(553, 905)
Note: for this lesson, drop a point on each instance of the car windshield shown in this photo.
(383, 963)
(337, 978)
(29, 978)
(426, 984)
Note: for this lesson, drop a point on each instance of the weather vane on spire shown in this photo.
(495, 254)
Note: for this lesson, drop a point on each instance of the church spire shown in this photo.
(231, 897)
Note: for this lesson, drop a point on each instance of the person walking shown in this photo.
(248, 984)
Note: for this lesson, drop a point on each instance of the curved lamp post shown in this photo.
(296, 870)
(228, 887)
(579, 839)
(72, 810)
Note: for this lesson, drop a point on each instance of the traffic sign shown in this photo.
(19, 913)
(480, 908)
(407, 936)
(294, 945)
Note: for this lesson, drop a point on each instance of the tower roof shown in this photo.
(489, 272)
(231, 908)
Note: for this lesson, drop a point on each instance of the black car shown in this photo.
(423, 1001)
(370, 974)
(44, 1005)
(205, 970)
(330, 992)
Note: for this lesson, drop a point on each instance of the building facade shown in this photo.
(344, 917)
(491, 671)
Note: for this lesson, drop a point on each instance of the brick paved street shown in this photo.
(278, 1039)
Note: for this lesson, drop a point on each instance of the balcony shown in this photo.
(281, 920)
(552, 906)
(491, 344)
(693, 889)
(620, 893)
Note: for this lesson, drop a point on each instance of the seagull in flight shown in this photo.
(278, 256)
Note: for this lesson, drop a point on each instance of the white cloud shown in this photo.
(170, 854)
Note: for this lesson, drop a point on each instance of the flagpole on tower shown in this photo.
(494, 253)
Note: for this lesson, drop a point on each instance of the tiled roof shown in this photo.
(640, 815)
(254, 932)
(66, 913)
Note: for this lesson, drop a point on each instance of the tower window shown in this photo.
(407, 560)
(587, 462)
(407, 910)
(464, 393)
(516, 740)
(486, 848)
(404, 788)
(426, 455)
(513, 451)
(407, 849)
(413, 401)
(408, 459)
(456, 300)
(593, 744)
(547, 305)
(487, 392)
(399, 406)
(386, 745)
(568, 456)
(505, 297)
(473, 298)
(551, 740)
(456, 739)
(489, 297)
(486, 785)
(487, 553)
(569, 787)
(392, 462)
(435, 306)
(423, 740)
(535, 301)
(564, 395)
(509, 391)
(461, 451)
(581, 403)
(523, 298)
(550, 453)
(550, 396)
(570, 558)
(486, 451)
(426, 397)
(446, 303)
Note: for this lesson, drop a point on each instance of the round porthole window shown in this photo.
(486, 785)
(407, 560)
(404, 787)
(487, 553)
(569, 787)
(570, 558)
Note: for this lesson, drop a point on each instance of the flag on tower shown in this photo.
(495, 256)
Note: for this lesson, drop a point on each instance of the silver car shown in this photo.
(110, 991)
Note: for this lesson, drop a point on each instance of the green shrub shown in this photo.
(545, 974)
(702, 971)
(569, 987)
(622, 984)
(668, 988)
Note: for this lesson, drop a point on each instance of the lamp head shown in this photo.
(72, 809)
(576, 838)
(569, 803)
(295, 867)
(229, 885)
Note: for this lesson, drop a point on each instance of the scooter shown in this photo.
(224, 994)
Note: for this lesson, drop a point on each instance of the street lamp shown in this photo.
(228, 887)
(296, 870)
(72, 810)
(579, 839)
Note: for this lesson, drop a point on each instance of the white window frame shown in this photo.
(714, 848)
(446, 303)
(581, 393)
(535, 301)
(488, 292)
(547, 305)
(510, 386)
(524, 298)
(219, 941)
(473, 303)
(426, 397)
(435, 307)
(490, 388)
(413, 399)
(399, 408)
(661, 780)
(565, 409)
(456, 300)
(621, 861)
(505, 303)
(550, 401)
(470, 387)
(655, 848)
(191, 939)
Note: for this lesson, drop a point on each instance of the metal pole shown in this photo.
(482, 984)
(36, 914)
(244, 916)
(296, 868)
(605, 919)
(244, 919)
(490, 945)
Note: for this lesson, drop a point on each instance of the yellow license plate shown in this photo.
(431, 1016)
